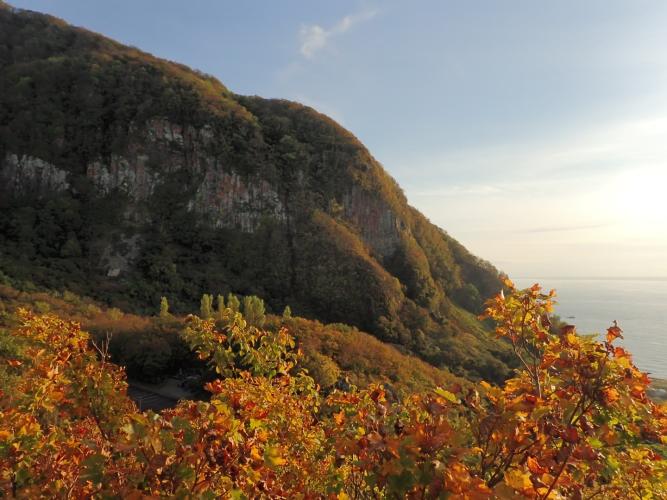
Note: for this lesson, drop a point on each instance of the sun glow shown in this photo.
(639, 199)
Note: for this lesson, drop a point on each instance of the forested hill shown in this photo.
(126, 177)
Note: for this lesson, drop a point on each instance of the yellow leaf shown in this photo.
(254, 453)
(518, 480)
(447, 395)
(273, 458)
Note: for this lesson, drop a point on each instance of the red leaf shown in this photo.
(614, 332)
(571, 435)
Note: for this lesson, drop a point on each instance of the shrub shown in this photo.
(323, 369)
(575, 421)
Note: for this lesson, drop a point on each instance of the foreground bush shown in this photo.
(575, 422)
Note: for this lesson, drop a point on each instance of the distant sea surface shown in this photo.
(639, 306)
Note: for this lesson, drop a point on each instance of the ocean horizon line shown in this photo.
(593, 278)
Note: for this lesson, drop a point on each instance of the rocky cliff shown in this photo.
(128, 177)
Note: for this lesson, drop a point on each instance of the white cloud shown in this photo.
(314, 37)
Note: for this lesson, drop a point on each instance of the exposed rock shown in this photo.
(161, 129)
(28, 173)
(231, 202)
(377, 223)
(128, 175)
(117, 257)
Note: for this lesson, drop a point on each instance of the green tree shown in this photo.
(221, 306)
(287, 312)
(71, 247)
(233, 302)
(164, 307)
(253, 310)
(206, 306)
(322, 368)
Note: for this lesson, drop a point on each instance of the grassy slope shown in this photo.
(353, 355)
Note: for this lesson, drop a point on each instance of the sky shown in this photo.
(534, 132)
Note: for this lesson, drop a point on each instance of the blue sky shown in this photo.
(535, 132)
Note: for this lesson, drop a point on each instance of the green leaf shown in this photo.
(185, 473)
(93, 467)
(22, 475)
(447, 395)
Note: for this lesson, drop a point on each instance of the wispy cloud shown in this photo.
(560, 229)
(568, 206)
(594, 153)
(314, 37)
(472, 189)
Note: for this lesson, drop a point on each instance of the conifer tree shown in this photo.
(221, 305)
(164, 307)
(253, 310)
(287, 312)
(233, 302)
(206, 306)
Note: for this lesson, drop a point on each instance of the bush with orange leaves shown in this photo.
(575, 422)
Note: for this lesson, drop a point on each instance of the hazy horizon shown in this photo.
(534, 133)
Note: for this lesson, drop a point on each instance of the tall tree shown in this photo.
(206, 306)
(253, 310)
(221, 305)
(233, 302)
(164, 307)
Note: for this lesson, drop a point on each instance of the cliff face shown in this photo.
(128, 177)
(24, 174)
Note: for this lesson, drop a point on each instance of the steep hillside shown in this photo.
(126, 177)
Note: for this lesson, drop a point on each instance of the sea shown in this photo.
(638, 305)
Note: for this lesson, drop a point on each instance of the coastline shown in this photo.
(658, 390)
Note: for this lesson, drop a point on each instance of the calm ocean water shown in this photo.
(639, 306)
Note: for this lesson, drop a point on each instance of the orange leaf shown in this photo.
(339, 418)
(614, 332)
(610, 395)
(534, 466)
(608, 436)
(637, 391)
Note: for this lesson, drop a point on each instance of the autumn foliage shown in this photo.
(574, 422)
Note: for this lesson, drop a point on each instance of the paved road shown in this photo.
(147, 400)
